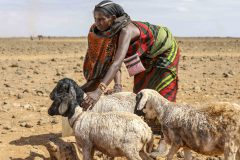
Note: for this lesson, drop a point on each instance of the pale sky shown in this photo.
(219, 18)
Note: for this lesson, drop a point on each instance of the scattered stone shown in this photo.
(16, 104)
(82, 58)
(28, 125)
(13, 130)
(226, 75)
(38, 158)
(28, 107)
(42, 121)
(14, 65)
(54, 121)
(39, 92)
(184, 58)
(180, 154)
(25, 91)
(213, 158)
(19, 96)
(231, 73)
(35, 72)
(212, 59)
(58, 73)
(6, 127)
(196, 89)
(13, 116)
(6, 85)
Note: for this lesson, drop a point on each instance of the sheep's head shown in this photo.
(63, 86)
(145, 103)
(63, 103)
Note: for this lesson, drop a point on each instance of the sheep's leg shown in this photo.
(230, 150)
(130, 153)
(87, 150)
(87, 153)
(146, 149)
(133, 157)
(187, 154)
(145, 156)
(173, 150)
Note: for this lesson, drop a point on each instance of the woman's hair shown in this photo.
(109, 8)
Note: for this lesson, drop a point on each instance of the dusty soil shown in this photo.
(209, 70)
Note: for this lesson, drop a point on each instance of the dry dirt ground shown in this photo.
(209, 70)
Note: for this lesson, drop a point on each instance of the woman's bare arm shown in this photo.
(123, 44)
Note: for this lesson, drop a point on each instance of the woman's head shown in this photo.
(105, 13)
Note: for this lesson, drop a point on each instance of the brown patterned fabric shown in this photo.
(100, 55)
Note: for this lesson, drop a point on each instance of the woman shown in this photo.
(115, 37)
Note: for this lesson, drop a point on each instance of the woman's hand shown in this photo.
(91, 99)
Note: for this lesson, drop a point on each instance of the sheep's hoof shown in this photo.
(161, 151)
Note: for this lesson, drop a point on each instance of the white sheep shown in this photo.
(113, 133)
(122, 101)
(211, 130)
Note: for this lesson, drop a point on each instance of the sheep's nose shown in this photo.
(50, 112)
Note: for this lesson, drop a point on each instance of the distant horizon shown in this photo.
(86, 37)
(73, 18)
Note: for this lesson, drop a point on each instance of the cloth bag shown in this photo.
(134, 65)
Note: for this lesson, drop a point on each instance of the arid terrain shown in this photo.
(209, 70)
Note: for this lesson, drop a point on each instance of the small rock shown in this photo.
(16, 104)
(54, 121)
(28, 107)
(35, 72)
(212, 158)
(196, 88)
(180, 154)
(39, 93)
(212, 59)
(82, 58)
(19, 96)
(14, 65)
(28, 125)
(231, 72)
(22, 124)
(42, 122)
(226, 75)
(6, 85)
(25, 91)
(6, 127)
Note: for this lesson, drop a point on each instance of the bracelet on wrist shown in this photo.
(102, 87)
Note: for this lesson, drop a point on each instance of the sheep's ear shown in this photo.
(141, 100)
(72, 93)
(63, 107)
